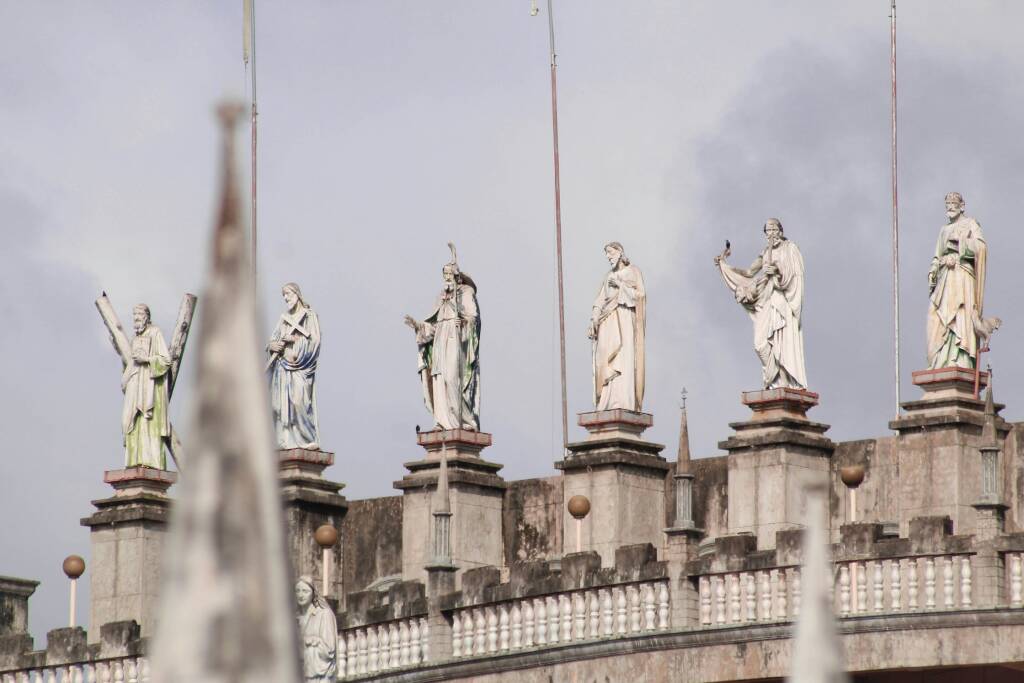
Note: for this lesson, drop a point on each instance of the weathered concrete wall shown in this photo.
(711, 495)
(371, 536)
(532, 519)
(878, 495)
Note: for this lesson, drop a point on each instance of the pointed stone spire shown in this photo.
(817, 655)
(442, 503)
(683, 455)
(441, 512)
(988, 432)
(227, 611)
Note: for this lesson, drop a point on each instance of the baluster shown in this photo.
(388, 646)
(132, 671)
(381, 660)
(635, 607)
(912, 583)
(621, 607)
(492, 629)
(353, 654)
(424, 639)
(607, 619)
(528, 623)
(362, 653)
(50, 675)
(750, 590)
(594, 605)
(554, 623)
(734, 597)
(542, 621)
(456, 635)
(339, 657)
(862, 586)
(704, 591)
(89, 672)
(403, 639)
(372, 644)
(479, 632)
(844, 589)
(144, 669)
(118, 668)
(663, 605)
(929, 583)
(517, 626)
(948, 592)
(797, 593)
(965, 581)
(414, 642)
(395, 637)
(579, 613)
(766, 595)
(565, 607)
(1016, 580)
(503, 624)
(878, 588)
(719, 583)
(650, 606)
(467, 633)
(894, 585)
(74, 673)
(780, 589)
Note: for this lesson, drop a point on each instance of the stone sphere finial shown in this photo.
(74, 566)
(326, 536)
(579, 507)
(852, 475)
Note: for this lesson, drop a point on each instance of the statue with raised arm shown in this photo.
(956, 287)
(318, 630)
(617, 329)
(772, 292)
(448, 342)
(294, 350)
(145, 422)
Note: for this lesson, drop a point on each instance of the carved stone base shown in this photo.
(134, 481)
(770, 404)
(455, 441)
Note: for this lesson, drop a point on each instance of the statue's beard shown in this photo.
(953, 215)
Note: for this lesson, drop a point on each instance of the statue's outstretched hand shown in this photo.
(412, 323)
(718, 259)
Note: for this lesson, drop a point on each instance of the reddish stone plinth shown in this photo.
(460, 441)
(617, 422)
(770, 404)
(135, 480)
(304, 462)
(949, 382)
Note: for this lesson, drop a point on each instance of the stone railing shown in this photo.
(765, 595)
(904, 584)
(383, 647)
(567, 617)
(119, 670)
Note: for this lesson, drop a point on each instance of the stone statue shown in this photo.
(318, 631)
(449, 352)
(144, 417)
(774, 301)
(617, 329)
(956, 286)
(294, 349)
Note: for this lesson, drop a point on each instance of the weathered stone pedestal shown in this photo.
(773, 458)
(310, 501)
(127, 539)
(938, 444)
(476, 494)
(623, 476)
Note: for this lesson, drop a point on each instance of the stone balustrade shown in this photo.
(381, 647)
(904, 584)
(561, 619)
(119, 670)
(745, 597)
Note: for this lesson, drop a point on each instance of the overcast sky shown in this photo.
(389, 128)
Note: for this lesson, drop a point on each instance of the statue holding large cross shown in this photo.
(150, 370)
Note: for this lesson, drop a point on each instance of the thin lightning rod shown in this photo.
(252, 43)
(895, 211)
(558, 221)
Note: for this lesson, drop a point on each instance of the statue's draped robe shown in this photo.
(292, 383)
(319, 659)
(145, 422)
(957, 297)
(439, 352)
(775, 306)
(619, 316)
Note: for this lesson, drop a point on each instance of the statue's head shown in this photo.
(616, 254)
(305, 591)
(954, 205)
(140, 318)
(773, 231)
(450, 272)
(292, 295)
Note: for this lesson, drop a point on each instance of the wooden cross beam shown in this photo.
(179, 338)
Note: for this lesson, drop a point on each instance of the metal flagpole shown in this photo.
(558, 217)
(895, 210)
(249, 55)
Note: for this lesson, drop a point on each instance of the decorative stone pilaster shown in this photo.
(127, 539)
(476, 492)
(773, 458)
(310, 501)
(937, 448)
(615, 468)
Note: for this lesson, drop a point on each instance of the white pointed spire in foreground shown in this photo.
(227, 612)
(817, 653)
